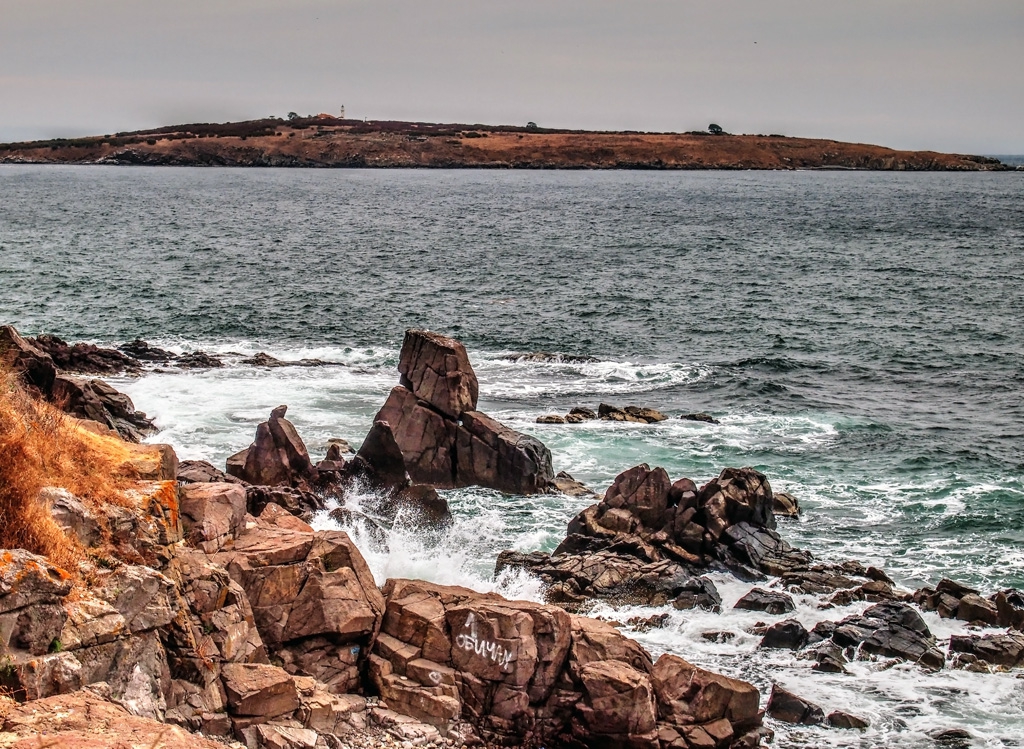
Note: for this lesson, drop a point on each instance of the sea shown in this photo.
(858, 335)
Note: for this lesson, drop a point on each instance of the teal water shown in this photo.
(859, 335)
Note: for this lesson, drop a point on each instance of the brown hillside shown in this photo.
(328, 142)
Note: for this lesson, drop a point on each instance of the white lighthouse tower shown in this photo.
(342, 115)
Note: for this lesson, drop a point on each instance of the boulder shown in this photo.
(84, 358)
(640, 491)
(33, 365)
(788, 634)
(495, 456)
(702, 417)
(618, 706)
(437, 370)
(699, 593)
(1010, 607)
(891, 629)
(688, 694)
(785, 706)
(380, 459)
(203, 472)
(785, 505)
(212, 514)
(769, 601)
(97, 401)
(86, 720)
(259, 690)
(72, 515)
(839, 719)
(550, 419)
(973, 608)
(145, 598)
(738, 495)
(278, 455)
(142, 351)
(1006, 650)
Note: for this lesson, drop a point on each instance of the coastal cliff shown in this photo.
(330, 142)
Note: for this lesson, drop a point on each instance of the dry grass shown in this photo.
(40, 446)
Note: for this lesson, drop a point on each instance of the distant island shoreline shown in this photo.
(329, 142)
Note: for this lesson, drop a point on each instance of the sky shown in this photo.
(944, 75)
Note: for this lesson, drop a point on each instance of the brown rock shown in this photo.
(97, 401)
(551, 419)
(84, 720)
(618, 702)
(259, 690)
(278, 456)
(212, 514)
(495, 456)
(425, 438)
(787, 707)
(974, 608)
(688, 694)
(380, 458)
(32, 364)
(437, 370)
(641, 491)
(785, 505)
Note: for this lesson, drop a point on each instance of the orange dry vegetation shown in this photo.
(40, 446)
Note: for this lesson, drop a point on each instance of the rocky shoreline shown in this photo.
(204, 605)
(329, 142)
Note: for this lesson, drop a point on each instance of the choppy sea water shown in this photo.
(860, 336)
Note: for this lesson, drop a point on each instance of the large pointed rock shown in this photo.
(278, 456)
(493, 455)
(437, 370)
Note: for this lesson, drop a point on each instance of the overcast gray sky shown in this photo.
(938, 74)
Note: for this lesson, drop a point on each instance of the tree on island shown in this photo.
(715, 129)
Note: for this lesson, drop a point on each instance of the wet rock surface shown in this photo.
(429, 431)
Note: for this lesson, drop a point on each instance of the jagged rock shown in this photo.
(91, 621)
(97, 401)
(699, 593)
(32, 364)
(437, 370)
(1001, 649)
(738, 495)
(703, 417)
(642, 492)
(425, 440)
(144, 597)
(202, 472)
(688, 694)
(769, 601)
(890, 629)
(551, 419)
(974, 608)
(635, 414)
(764, 549)
(84, 720)
(212, 514)
(524, 673)
(197, 360)
(785, 505)
(380, 458)
(84, 358)
(569, 486)
(839, 719)
(1010, 607)
(27, 579)
(495, 456)
(788, 634)
(787, 707)
(278, 455)
(313, 599)
(71, 514)
(259, 690)
(584, 414)
(139, 349)
(299, 502)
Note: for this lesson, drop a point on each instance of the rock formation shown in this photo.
(87, 399)
(429, 431)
